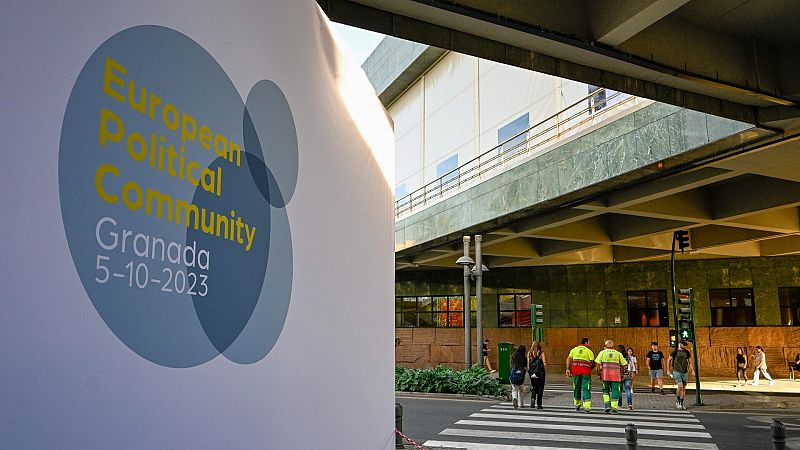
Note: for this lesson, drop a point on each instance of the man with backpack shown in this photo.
(536, 365)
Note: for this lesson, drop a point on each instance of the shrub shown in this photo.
(441, 379)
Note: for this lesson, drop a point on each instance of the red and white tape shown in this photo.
(409, 439)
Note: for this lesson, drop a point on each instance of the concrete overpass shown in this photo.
(735, 59)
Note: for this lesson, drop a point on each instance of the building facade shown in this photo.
(456, 115)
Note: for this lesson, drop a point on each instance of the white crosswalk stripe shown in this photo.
(501, 427)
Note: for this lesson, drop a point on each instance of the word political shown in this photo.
(164, 158)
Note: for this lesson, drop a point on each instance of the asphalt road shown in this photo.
(484, 423)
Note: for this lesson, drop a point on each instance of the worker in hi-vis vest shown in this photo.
(579, 366)
(610, 362)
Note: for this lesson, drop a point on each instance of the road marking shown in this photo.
(480, 446)
(576, 438)
(617, 420)
(549, 426)
(637, 412)
(638, 415)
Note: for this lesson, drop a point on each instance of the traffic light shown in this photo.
(682, 238)
(685, 319)
(537, 313)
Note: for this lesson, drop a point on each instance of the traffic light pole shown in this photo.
(698, 398)
(674, 289)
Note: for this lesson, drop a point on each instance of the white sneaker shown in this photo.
(772, 383)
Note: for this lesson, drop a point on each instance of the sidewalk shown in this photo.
(782, 386)
(717, 394)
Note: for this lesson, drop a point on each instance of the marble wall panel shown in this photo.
(424, 335)
(448, 336)
(443, 354)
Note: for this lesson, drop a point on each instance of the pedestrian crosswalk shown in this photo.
(502, 427)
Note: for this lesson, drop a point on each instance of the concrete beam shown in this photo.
(717, 235)
(518, 247)
(622, 227)
(592, 229)
(549, 247)
(689, 206)
(627, 254)
(785, 245)
(615, 22)
(680, 182)
(784, 220)
(751, 193)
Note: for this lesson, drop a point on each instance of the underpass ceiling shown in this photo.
(743, 206)
(733, 58)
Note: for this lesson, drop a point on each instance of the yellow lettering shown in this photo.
(182, 205)
(154, 101)
(205, 137)
(169, 109)
(187, 120)
(105, 135)
(192, 180)
(221, 152)
(161, 199)
(133, 205)
(98, 182)
(207, 179)
(109, 77)
(235, 149)
(141, 154)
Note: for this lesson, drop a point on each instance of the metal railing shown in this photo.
(584, 113)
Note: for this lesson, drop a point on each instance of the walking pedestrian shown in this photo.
(610, 363)
(680, 365)
(536, 370)
(580, 363)
(655, 361)
(760, 366)
(627, 378)
(795, 366)
(485, 352)
(517, 377)
(741, 365)
(633, 366)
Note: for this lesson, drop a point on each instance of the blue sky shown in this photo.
(360, 42)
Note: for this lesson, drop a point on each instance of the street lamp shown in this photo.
(477, 272)
(466, 261)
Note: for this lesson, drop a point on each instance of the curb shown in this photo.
(447, 396)
(749, 406)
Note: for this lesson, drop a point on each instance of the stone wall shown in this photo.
(428, 347)
(595, 295)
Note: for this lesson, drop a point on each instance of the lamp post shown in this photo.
(466, 261)
(478, 273)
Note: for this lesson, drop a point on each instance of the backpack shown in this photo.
(536, 369)
(517, 376)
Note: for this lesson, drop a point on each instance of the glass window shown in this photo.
(447, 169)
(732, 307)
(648, 309)
(598, 100)
(513, 136)
(401, 191)
(789, 298)
(514, 310)
(425, 311)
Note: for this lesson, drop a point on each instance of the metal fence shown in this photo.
(539, 138)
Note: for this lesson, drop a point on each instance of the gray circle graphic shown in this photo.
(172, 192)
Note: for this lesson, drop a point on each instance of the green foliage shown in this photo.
(441, 379)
